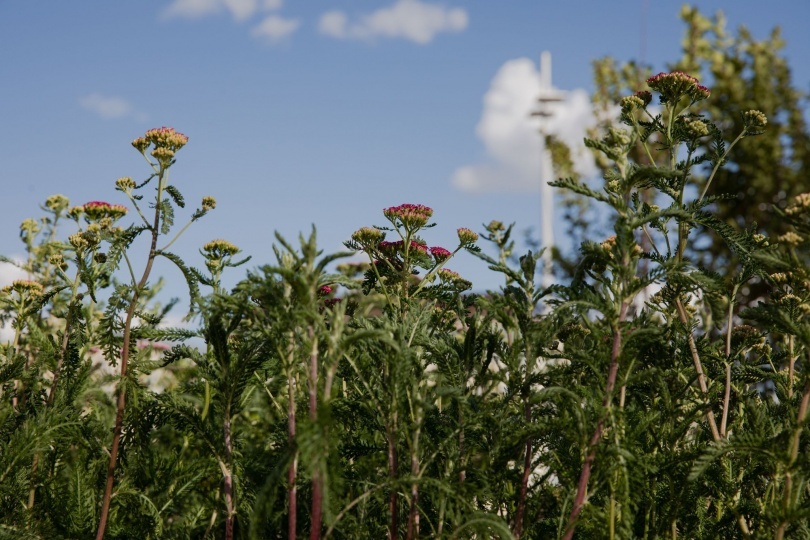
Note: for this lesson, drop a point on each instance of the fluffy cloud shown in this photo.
(239, 9)
(109, 107)
(510, 134)
(275, 28)
(408, 19)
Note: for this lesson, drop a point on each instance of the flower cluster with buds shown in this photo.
(755, 122)
(696, 128)
(790, 238)
(466, 237)
(57, 203)
(29, 227)
(166, 142)
(800, 204)
(675, 85)
(637, 101)
(98, 210)
(368, 237)
(449, 277)
(125, 184)
(440, 254)
(162, 137)
(218, 249)
(24, 287)
(410, 216)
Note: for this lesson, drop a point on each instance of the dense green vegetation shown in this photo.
(638, 398)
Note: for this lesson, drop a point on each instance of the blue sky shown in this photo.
(317, 112)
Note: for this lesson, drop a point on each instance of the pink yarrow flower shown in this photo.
(411, 216)
(440, 254)
(95, 210)
(676, 84)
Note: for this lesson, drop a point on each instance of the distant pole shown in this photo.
(547, 96)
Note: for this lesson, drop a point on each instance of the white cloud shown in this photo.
(510, 134)
(240, 10)
(110, 107)
(275, 28)
(408, 19)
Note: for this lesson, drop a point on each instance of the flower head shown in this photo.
(495, 226)
(163, 155)
(324, 290)
(644, 96)
(440, 254)
(697, 128)
(367, 237)
(800, 204)
(448, 277)
(77, 240)
(125, 184)
(97, 210)
(411, 216)
(140, 144)
(631, 103)
(790, 238)
(30, 226)
(57, 203)
(466, 237)
(208, 203)
(24, 286)
(755, 122)
(164, 137)
(217, 249)
(677, 84)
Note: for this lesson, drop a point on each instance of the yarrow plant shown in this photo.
(394, 264)
(638, 396)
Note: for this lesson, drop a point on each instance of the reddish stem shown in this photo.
(291, 489)
(393, 502)
(524, 481)
(585, 473)
(119, 414)
(317, 481)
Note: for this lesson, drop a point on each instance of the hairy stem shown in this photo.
(704, 388)
(727, 393)
(585, 473)
(125, 347)
(524, 480)
(393, 499)
(793, 455)
(291, 473)
(317, 479)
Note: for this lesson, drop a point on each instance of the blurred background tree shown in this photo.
(743, 73)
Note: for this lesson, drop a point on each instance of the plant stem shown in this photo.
(699, 369)
(793, 455)
(413, 512)
(291, 473)
(727, 393)
(317, 478)
(227, 473)
(585, 473)
(524, 480)
(791, 366)
(393, 501)
(125, 347)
